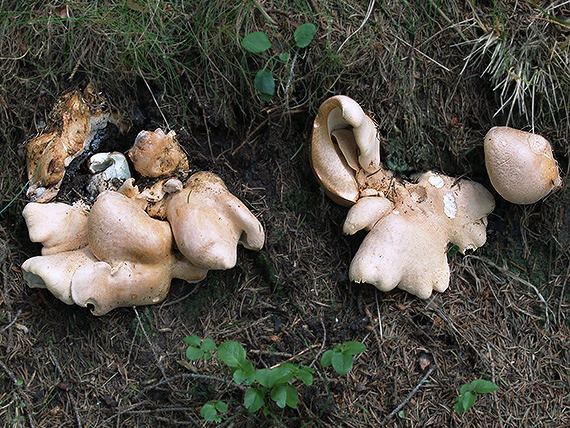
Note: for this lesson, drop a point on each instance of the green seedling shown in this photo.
(341, 357)
(468, 394)
(265, 385)
(258, 42)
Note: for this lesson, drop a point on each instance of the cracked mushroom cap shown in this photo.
(208, 222)
(521, 165)
(57, 226)
(344, 141)
(156, 154)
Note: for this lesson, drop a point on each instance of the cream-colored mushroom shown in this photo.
(208, 222)
(55, 271)
(410, 224)
(110, 170)
(135, 258)
(521, 165)
(156, 154)
(344, 141)
(57, 226)
(407, 246)
(77, 117)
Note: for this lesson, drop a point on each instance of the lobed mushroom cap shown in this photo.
(208, 222)
(57, 226)
(521, 165)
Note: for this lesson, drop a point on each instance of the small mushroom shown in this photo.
(156, 154)
(110, 170)
(208, 222)
(521, 165)
(57, 226)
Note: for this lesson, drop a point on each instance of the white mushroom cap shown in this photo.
(334, 160)
(208, 222)
(521, 165)
(110, 171)
(55, 271)
(58, 226)
(156, 154)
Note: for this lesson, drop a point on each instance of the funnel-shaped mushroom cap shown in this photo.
(157, 154)
(521, 165)
(58, 226)
(344, 141)
(49, 154)
(119, 230)
(55, 271)
(208, 222)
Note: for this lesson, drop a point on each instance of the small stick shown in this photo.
(406, 401)
(189, 375)
(11, 322)
(71, 397)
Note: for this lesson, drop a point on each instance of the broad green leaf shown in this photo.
(193, 353)
(221, 406)
(482, 386)
(209, 412)
(192, 340)
(207, 356)
(208, 345)
(265, 84)
(253, 399)
(353, 348)
(256, 42)
(284, 56)
(468, 400)
(459, 405)
(305, 375)
(342, 363)
(245, 373)
(464, 389)
(285, 395)
(231, 353)
(326, 358)
(304, 34)
(272, 377)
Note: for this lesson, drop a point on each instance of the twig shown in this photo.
(304, 351)
(26, 407)
(323, 344)
(159, 365)
(409, 397)
(188, 375)
(71, 397)
(11, 322)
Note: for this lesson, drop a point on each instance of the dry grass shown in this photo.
(436, 77)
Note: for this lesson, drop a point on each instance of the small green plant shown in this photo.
(341, 357)
(468, 394)
(264, 385)
(258, 42)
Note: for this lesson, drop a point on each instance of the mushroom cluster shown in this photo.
(125, 249)
(410, 224)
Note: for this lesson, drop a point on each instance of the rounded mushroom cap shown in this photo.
(156, 154)
(119, 229)
(521, 165)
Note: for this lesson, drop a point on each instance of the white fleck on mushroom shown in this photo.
(57, 226)
(521, 165)
(208, 222)
(156, 154)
